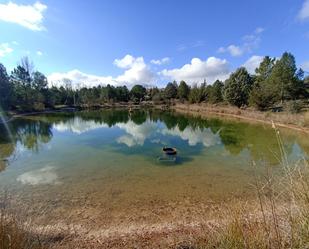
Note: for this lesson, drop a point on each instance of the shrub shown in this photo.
(294, 106)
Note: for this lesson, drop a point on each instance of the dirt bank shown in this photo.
(299, 122)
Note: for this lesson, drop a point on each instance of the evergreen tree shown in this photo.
(263, 94)
(170, 91)
(215, 92)
(138, 93)
(183, 90)
(237, 88)
(283, 78)
(5, 89)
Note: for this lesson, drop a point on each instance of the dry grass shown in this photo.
(22, 233)
(306, 119)
(298, 121)
(13, 234)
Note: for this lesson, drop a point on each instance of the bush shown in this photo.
(294, 106)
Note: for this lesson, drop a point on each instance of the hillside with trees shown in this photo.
(275, 83)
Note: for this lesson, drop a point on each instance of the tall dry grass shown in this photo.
(18, 232)
(14, 234)
(280, 218)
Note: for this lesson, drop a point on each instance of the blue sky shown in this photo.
(150, 42)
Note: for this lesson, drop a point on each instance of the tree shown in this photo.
(5, 89)
(215, 92)
(137, 93)
(263, 94)
(122, 93)
(170, 91)
(237, 87)
(284, 79)
(39, 81)
(183, 90)
(23, 93)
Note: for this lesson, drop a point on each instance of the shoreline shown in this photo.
(297, 122)
(283, 120)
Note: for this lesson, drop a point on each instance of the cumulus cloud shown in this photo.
(39, 53)
(5, 49)
(195, 72)
(78, 79)
(28, 16)
(46, 175)
(162, 61)
(136, 72)
(304, 12)
(253, 62)
(250, 42)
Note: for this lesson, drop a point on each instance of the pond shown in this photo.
(101, 167)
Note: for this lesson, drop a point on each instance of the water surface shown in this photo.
(102, 167)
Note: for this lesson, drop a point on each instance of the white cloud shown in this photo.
(5, 49)
(39, 53)
(78, 79)
(46, 175)
(211, 69)
(253, 62)
(304, 12)
(127, 61)
(162, 61)
(305, 66)
(28, 16)
(137, 72)
(235, 51)
(250, 42)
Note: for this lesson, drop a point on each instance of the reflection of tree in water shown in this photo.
(139, 116)
(6, 150)
(30, 133)
(235, 136)
(109, 117)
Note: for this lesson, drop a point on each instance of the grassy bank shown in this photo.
(298, 121)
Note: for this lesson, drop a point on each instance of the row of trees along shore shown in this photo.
(275, 82)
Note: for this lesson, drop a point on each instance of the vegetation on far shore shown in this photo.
(277, 84)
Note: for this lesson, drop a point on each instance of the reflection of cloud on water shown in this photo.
(205, 136)
(78, 125)
(46, 175)
(136, 134)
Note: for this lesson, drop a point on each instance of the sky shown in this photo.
(151, 42)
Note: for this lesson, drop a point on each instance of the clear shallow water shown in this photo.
(102, 166)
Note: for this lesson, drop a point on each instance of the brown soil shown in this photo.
(283, 119)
